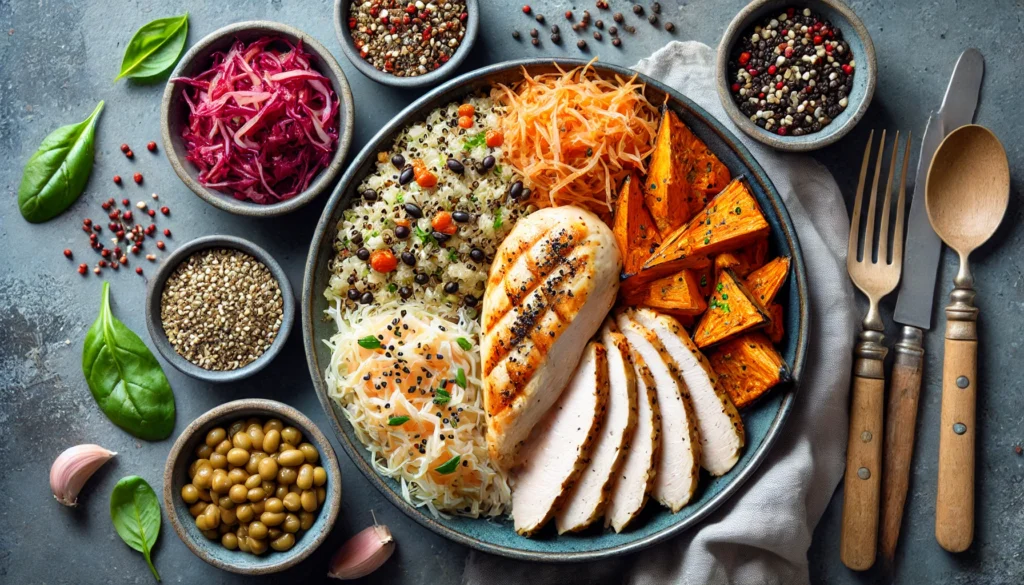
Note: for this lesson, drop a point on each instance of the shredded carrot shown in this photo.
(575, 135)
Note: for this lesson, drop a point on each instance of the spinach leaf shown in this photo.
(135, 512)
(369, 342)
(449, 466)
(397, 421)
(442, 396)
(155, 48)
(56, 174)
(125, 379)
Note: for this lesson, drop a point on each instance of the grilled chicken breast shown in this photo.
(721, 430)
(679, 463)
(560, 446)
(634, 479)
(552, 283)
(587, 501)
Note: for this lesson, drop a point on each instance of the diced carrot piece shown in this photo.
(775, 330)
(731, 311)
(443, 222)
(633, 227)
(731, 220)
(747, 367)
(666, 190)
(765, 282)
(494, 138)
(467, 110)
(678, 294)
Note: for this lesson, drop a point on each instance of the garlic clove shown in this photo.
(362, 554)
(73, 468)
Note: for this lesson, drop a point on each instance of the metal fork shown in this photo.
(875, 276)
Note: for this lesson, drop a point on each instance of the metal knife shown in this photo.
(914, 304)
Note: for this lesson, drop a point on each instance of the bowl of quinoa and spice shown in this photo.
(219, 308)
(405, 43)
(796, 77)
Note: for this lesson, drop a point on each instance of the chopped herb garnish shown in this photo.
(707, 241)
(464, 344)
(392, 287)
(703, 279)
(738, 210)
(725, 297)
(453, 255)
(448, 466)
(460, 377)
(497, 219)
(497, 169)
(369, 342)
(474, 141)
(397, 421)
(423, 235)
(442, 396)
(400, 198)
(719, 287)
(374, 234)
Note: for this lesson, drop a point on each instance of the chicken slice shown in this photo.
(678, 466)
(560, 446)
(721, 430)
(587, 501)
(635, 478)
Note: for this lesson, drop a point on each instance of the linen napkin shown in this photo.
(762, 534)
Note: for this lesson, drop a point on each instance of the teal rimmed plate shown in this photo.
(764, 419)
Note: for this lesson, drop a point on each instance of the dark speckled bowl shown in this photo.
(174, 114)
(156, 287)
(176, 476)
(341, 10)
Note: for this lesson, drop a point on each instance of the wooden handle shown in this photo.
(900, 427)
(954, 503)
(863, 473)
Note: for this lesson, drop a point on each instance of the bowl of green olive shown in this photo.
(252, 487)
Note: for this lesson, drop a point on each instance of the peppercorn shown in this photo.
(534, 32)
(597, 35)
(138, 270)
(159, 244)
(568, 14)
(599, 23)
(540, 18)
(127, 216)
(151, 146)
(82, 268)
(151, 212)
(656, 8)
(670, 27)
(535, 42)
(581, 45)
(96, 270)
(117, 179)
(165, 210)
(556, 39)
(137, 177)
(167, 232)
(130, 154)
(617, 17)
(526, 9)
(637, 9)
(105, 253)
(515, 35)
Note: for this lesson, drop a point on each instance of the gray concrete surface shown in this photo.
(57, 59)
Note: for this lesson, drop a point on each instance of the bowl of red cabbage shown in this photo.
(257, 118)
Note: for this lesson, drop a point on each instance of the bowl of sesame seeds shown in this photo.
(220, 308)
(404, 43)
(796, 76)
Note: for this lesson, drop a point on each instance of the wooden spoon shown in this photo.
(966, 195)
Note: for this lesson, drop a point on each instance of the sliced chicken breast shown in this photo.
(678, 466)
(559, 448)
(635, 478)
(551, 285)
(721, 431)
(587, 501)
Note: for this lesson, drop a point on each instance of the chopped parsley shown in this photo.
(474, 141)
(400, 198)
(442, 396)
(497, 169)
(737, 211)
(497, 219)
(449, 466)
(453, 255)
(719, 287)
(460, 377)
(369, 342)
(703, 279)
(464, 344)
(397, 421)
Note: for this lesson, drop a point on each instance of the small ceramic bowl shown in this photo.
(176, 476)
(864, 78)
(431, 79)
(154, 292)
(174, 114)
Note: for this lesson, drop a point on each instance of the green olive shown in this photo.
(229, 540)
(271, 441)
(274, 505)
(291, 523)
(319, 476)
(268, 469)
(223, 447)
(244, 513)
(281, 492)
(272, 518)
(287, 475)
(273, 424)
(215, 436)
(237, 476)
(312, 455)
(218, 461)
(203, 451)
(195, 465)
(291, 435)
(321, 496)
(256, 494)
(304, 479)
(292, 502)
(220, 483)
(253, 481)
(257, 529)
(197, 509)
(255, 434)
(308, 500)
(257, 507)
(256, 546)
(228, 517)
(241, 441)
(238, 457)
(236, 427)
(284, 542)
(291, 458)
(189, 493)
(306, 519)
(253, 466)
(203, 477)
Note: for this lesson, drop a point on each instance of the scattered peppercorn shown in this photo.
(125, 148)
(568, 14)
(137, 177)
(67, 253)
(656, 8)
(617, 17)
(602, 4)
(540, 18)
(165, 210)
(117, 179)
(534, 32)
(597, 35)
(138, 270)
(616, 42)
(151, 146)
(670, 26)
(515, 35)
(526, 9)
(599, 23)
(167, 232)
(637, 9)
(160, 244)
(130, 154)
(535, 42)
(653, 19)
(82, 268)
(556, 39)
(581, 44)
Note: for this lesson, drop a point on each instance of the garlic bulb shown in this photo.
(73, 468)
(362, 554)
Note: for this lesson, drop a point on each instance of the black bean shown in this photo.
(455, 166)
(353, 294)
(352, 279)
(370, 195)
(460, 216)
(363, 254)
(413, 210)
(357, 238)
(516, 190)
(367, 298)
(409, 258)
(405, 292)
(441, 237)
(398, 161)
(451, 287)
(477, 255)
(406, 176)
(402, 232)
(421, 278)
(488, 162)
(470, 301)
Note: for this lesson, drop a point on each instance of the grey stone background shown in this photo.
(58, 58)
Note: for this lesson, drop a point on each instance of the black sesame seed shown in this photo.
(455, 166)
(421, 278)
(477, 255)
(488, 162)
(441, 237)
(413, 210)
(402, 232)
(409, 258)
(367, 298)
(460, 216)
(451, 287)
(363, 254)
(398, 161)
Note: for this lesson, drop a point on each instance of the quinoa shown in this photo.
(445, 275)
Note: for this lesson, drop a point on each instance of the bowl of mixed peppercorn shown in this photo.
(406, 43)
(796, 77)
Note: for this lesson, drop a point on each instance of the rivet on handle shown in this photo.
(959, 428)
(866, 436)
(962, 382)
(863, 473)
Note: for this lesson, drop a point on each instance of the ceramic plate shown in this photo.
(763, 420)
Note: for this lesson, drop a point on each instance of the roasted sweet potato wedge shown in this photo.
(747, 367)
(732, 310)
(634, 230)
(706, 174)
(775, 330)
(678, 293)
(667, 192)
(766, 281)
(731, 220)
